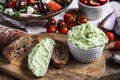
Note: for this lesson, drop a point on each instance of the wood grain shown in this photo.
(72, 71)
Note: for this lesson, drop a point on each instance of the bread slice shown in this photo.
(18, 48)
(60, 54)
(40, 56)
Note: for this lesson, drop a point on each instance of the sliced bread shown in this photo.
(17, 44)
(60, 54)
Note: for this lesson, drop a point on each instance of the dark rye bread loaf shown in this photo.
(18, 48)
(7, 35)
(15, 43)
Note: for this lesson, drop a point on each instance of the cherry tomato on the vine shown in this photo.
(63, 30)
(51, 29)
(68, 17)
(60, 24)
(117, 46)
(51, 21)
(12, 4)
(70, 25)
(110, 36)
(73, 12)
(81, 19)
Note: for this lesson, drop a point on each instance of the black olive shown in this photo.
(67, 1)
(7, 1)
(20, 4)
(63, 2)
(42, 8)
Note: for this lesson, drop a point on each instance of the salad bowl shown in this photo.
(36, 18)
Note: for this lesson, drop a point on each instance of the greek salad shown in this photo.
(35, 8)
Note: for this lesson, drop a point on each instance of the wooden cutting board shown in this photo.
(72, 71)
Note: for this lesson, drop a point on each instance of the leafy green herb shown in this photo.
(37, 1)
(17, 14)
(22, 10)
(1, 7)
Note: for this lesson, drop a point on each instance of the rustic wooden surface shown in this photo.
(72, 71)
(112, 71)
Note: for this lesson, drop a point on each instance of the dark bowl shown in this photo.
(34, 19)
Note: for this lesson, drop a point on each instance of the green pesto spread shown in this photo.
(87, 36)
(39, 57)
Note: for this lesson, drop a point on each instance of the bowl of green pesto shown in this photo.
(86, 42)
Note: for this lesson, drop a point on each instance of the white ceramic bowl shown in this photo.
(93, 12)
(85, 56)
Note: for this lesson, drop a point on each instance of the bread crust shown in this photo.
(7, 35)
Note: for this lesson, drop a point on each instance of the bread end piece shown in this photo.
(18, 48)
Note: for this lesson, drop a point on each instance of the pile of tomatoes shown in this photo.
(70, 19)
(94, 2)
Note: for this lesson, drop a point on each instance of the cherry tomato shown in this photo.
(117, 46)
(102, 1)
(84, 1)
(68, 17)
(51, 21)
(70, 25)
(51, 29)
(73, 12)
(60, 24)
(94, 3)
(63, 30)
(110, 36)
(12, 4)
(31, 1)
(81, 19)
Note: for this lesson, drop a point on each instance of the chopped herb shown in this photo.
(17, 14)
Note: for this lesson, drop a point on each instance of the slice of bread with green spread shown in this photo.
(39, 57)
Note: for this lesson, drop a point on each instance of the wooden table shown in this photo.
(112, 68)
